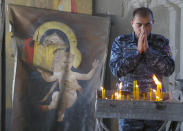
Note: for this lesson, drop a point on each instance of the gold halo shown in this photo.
(65, 29)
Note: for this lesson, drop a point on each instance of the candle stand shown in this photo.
(138, 109)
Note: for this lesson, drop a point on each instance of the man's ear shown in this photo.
(131, 22)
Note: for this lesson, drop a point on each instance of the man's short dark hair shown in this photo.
(143, 12)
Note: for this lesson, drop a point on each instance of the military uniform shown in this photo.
(128, 65)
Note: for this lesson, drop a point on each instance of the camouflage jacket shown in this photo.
(128, 65)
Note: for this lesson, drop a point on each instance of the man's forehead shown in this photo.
(140, 19)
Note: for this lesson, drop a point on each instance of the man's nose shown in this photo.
(143, 27)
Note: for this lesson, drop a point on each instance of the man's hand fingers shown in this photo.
(140, 44)
(145, 45)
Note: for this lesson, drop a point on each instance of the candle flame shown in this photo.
(120, 85)
(156, 80)
(116, 94)
(137, 86)
(154, 90)
(102, 87)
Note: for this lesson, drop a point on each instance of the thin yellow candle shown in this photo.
(160, 91)
(120, 93)
(144, 95)
(150, 95)
(119, 96)
(123, 96)
(137, 92)
(103, 92)
(157, 98)
(112, 97)
(134, 89)
(116, 95)
(155, 94)
(128, 97)
(161, 98)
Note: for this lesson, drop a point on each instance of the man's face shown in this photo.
(142, 24)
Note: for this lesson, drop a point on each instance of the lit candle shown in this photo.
(112, 97)
(120, 90)
(119, 96)
(116, 95)
(134, 90)
(159, 87)
(157, 98)
(158, 92)
(103, 92)
(137, 91)
(120, 93)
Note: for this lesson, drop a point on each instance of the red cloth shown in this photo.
(73, 6)
(29, 50)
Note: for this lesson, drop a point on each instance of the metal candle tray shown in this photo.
(141, 109)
